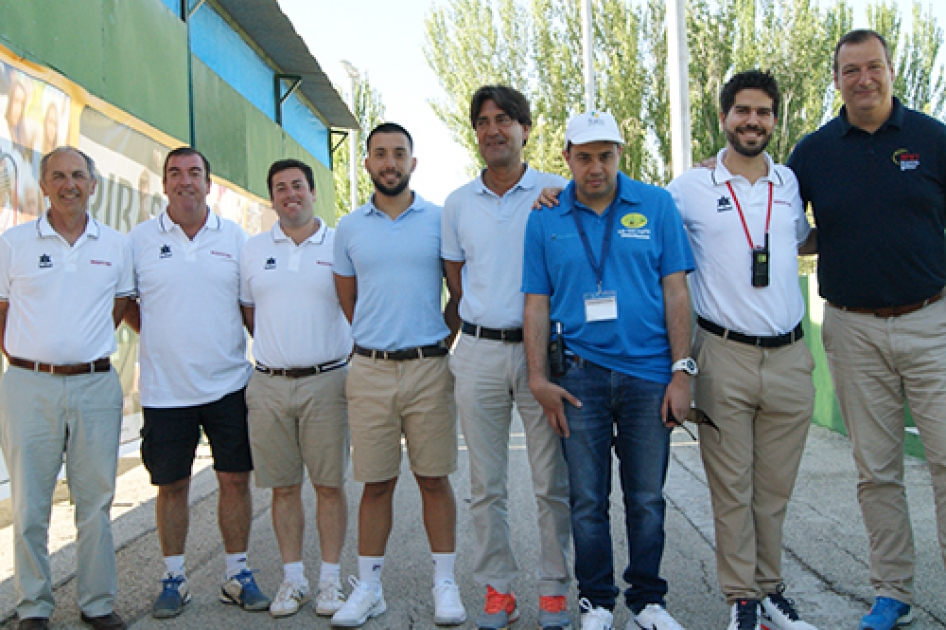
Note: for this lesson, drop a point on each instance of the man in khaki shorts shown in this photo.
(389, 277)
(297, 413)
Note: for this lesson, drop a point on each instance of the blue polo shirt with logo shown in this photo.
(648, 242)
(879, 202)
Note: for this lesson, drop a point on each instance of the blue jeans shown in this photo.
(623, 411)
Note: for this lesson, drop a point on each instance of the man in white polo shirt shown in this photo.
(745, 221)
(65, 280)
(484, 225)
(193, 374)
(298, 415)
(389, 278)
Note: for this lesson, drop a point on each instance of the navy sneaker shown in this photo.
(242, 590)
(886, 614)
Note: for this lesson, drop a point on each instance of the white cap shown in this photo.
(592, 126)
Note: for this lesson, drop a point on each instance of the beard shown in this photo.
(748, 151)
(391, 191)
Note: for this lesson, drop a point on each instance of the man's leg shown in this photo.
(375, 516)
(235, 510)
(549, 483)
(331, 518)
(870, 395)
(588, 456)
(288, 522)
(485, 406)
(94, 423)
(642, 443)
(440, 513)
(32, 437)
(171, 516)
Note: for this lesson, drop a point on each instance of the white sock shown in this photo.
(330, 571)
(174, 564)
(369, 571)
(443, 567)
(236, 562)
(294, 572)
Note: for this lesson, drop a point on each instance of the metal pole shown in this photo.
(678, 83)
(587, 38)
(352, 136)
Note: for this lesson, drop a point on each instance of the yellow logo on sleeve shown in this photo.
(634, 220)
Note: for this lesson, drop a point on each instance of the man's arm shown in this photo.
(677, 308)
(452, 271)
(119, 309)
(132, 315)
(810, 246)
(347, 289)
(4, 307)
(535, 322)
(248, 318)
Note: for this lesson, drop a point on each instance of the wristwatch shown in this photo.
(687, 365)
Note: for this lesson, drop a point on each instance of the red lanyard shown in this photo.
(768, 215)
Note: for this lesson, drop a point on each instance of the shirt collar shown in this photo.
(417, 205)
(166, 223)
(45, 229)
(528, 181)
(317, 238)
(894, 120)
(721, 174)
(625, 193)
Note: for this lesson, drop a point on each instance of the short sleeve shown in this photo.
(535, 274)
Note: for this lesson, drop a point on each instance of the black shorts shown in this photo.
(170, 435)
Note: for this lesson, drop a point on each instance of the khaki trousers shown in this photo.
(877, 365)
(762, 400)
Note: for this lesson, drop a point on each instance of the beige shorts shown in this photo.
(388, 399)
(296, 423)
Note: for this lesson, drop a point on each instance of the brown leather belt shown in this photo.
(891, 311)
(407, 354)
(507, 335)
(100, 365)
(303, 371)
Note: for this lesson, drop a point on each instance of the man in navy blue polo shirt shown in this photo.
(608, 267)
(875, 177)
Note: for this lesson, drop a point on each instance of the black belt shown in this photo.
(891, 311)
(99, 365)
(407, 354)
(509, 335)
(776, 341)
(303, 371)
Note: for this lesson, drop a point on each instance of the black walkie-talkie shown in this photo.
(557, 351)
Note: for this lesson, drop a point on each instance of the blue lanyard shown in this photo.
(596, 265)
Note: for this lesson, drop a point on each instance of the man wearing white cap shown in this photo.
(608, 268)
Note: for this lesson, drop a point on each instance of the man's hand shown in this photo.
(676, 400)
(550, 396)
(547, 198)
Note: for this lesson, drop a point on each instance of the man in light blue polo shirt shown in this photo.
(483, 228)
(608, 267)
(389, 279)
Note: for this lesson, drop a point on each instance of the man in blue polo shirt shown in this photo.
(389, 278)
(608, 268)
(875, 177)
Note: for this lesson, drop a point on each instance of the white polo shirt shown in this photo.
(487, 232)
(298, 321)
(193, 346)
(721, 284)
(60, 296)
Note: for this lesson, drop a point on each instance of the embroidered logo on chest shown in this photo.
(270, 263)
(45, 262)
(905, 160)
(165, 251)
(724, 204)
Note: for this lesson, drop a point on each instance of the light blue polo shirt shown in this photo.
(648, 242)
(486, 231)
(399, 273)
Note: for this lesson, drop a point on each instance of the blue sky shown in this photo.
(385, 40)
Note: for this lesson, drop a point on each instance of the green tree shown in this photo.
(369, 111)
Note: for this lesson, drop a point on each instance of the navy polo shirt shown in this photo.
(879, 202)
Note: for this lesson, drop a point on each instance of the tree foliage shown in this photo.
(535, 46)
(369, 111)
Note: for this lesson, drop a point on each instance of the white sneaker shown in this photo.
(780, 613)
(448, 608)
(595, 617)
(655, 617)
(330, 598)
(289, 598)
(363, 603)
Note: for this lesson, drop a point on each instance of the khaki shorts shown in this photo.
(296, 422)
(388, 399)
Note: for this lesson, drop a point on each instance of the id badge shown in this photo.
(601, 306)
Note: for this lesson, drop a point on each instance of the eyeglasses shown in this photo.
(696, 416)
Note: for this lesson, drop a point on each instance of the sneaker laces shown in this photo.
(172, 582)
(785, 605)
(360, 591)
(497, 602)
(553, 603)
(289, 590)
(332, 588)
